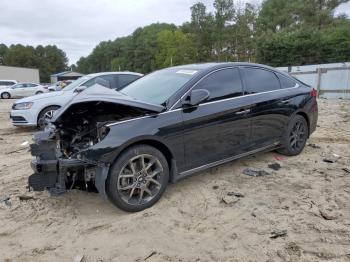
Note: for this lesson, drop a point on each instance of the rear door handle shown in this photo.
(242, 112)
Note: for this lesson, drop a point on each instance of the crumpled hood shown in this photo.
(98, 93)
(44, 96)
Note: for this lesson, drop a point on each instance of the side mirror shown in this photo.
(196, 97)
(79, 89)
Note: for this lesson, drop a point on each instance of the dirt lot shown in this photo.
(307, 197)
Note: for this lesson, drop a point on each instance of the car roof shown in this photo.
(8, 80)
(114, 73)
(27, 83)
(218, 65)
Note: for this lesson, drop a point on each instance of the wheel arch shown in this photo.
(158, 144)
(304, 115)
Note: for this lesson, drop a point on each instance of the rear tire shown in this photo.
(6, 95)
(138, 178)
(46, 113)
(295, 137)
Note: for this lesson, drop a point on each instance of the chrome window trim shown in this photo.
(226, 99)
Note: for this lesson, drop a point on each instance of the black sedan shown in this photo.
(168, 125)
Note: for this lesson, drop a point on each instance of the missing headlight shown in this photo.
(102, 132)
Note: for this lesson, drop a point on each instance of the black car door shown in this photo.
(269, 113)
(218, 128)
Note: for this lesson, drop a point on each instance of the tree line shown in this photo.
(277, 33)
(48, 59)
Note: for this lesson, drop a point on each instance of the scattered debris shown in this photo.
(229, 200)
(278, 233)
(332, 158)
(25, 198)
(279, 158)
(251, 172)
(313, 146)
(254, 212)
(78, 258)
(285, 207)
(16, 151)
(347, 170)
(215, 187)
(329, 214)
(6, 200)
(150, 255)
(275, 166)
(236, 194)
(25, 143)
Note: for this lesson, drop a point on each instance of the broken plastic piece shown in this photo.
(278, 233)
(250, 172)
(6, 200)
(275, 166)
(236, 194)
(332, 158)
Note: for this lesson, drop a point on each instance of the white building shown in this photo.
(21, 74)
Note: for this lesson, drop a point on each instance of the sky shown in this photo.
(77, 26)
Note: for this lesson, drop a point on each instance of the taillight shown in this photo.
(313, 92)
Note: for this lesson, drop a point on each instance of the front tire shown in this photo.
(295, 137)
(5, 95)
(138, 178)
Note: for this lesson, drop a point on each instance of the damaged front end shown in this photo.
(67, 154)
(57, 171)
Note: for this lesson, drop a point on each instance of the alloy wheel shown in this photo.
(139, 181)
(297, 136)
(49, 114)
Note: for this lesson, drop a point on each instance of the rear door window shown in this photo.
(113, 84)
(225, 83)
(259, 80)
(124, 80)
(109, 78)
(286, 82)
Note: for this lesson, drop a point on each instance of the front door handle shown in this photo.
(242, 112)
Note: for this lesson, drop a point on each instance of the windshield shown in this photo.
(158, 87)
(77, 83)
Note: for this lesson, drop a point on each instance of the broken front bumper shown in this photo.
(53, 172)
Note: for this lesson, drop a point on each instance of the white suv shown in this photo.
(32, 111)
(7, 83)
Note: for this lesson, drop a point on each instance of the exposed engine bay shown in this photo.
(84, 125)
(59, 164)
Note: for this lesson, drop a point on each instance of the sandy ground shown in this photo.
(307, 197)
